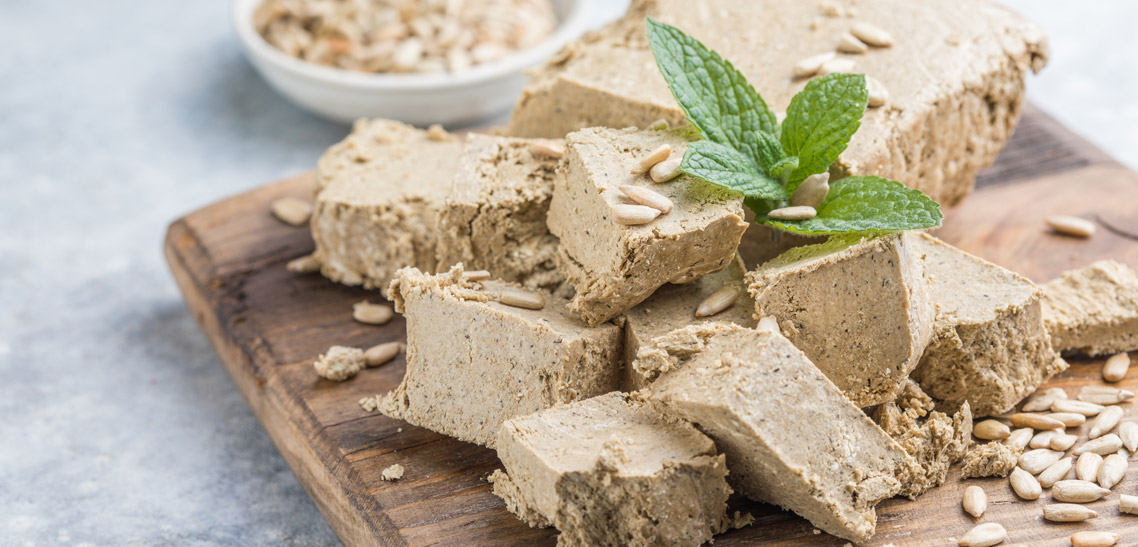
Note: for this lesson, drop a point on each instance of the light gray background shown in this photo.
(117, 424)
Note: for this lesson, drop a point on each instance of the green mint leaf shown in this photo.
(714, 96)
(768, 151)
(782, 169)
(724, 166)
(866, 204)
(820, 121)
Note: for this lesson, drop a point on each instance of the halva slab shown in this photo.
(473, 362)
(954, 76)
(613, 266)
(791, 438)
(989, 345)
(859, 309)
(611, 471)
(1093, 310)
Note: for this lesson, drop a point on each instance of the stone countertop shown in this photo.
(119, 425)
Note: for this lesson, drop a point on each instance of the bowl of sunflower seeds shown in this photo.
(451, 62)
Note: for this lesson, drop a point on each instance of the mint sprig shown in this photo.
(746, 150)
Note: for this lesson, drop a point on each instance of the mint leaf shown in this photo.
(714, 96)
(820, 121)
(724, 166)
(768, 151)
(782, 168)
(866, 204)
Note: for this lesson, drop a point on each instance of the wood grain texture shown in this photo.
(268, 325)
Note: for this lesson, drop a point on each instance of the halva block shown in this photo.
(859, 309)
(989, 345)
(791, 438)
(613, 266)
(473, 362)
(378, 193)
(954, 76)
(1093, 310)
(494, 216)
(611, 471)
(993, 459)
(934, 439)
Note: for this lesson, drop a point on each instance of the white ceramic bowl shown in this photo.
(476, 94)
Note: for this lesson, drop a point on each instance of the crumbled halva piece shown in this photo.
(945, 120)
(989, 345)
(392, 473)
(611, 471)
(377, 201)
(934, 439)
(860, 310)
(473, 362)
(340, 363)
(790, 436)
(993, 459)
(614, 267)
(1094, 310)
(647, 325)
(494, 216)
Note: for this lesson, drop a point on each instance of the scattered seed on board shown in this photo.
(304, 264)
(1069, 419)
(1077, 491)
(811, 65)
(1020, 438)
(1043, 439)
(871, 34)
(1115, 368)
(1071, 226)
(1105, 422)
(1035, 461)
(1112, 471)
(659, 125)
(1128, 432)
(292, 211)
(837, 65)
(1024, 484)
(1128, 504)
(799, 212)
(984, 535)
(878, 95)
(1057, 472)
(476, 275)
(1104, 395)
(1094, 538)
(1107, 444)
(1086, 468)
(1068, 512)
(991, 430)
(848, 43)
(1035, 421)
(657, 155)
(546, 150)
(521, 299)
(1041, 400)
(665, 170)
(812, 191)
(372, 314)
(633, 215)
(717, 301)
(647, 198)
(1078, 407)
(1062, 441)
(975, 501)
(382, 353)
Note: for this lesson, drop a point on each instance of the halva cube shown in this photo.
(791, 438)
(1093, 311)
(377, 200)
(954, 75)
(611, 471)
(612, 266)
(859, 309)
(473, 362)
(494, 216)
(989, 345)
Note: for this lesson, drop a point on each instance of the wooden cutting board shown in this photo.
(268, 325)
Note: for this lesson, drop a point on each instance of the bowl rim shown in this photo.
(570, 28)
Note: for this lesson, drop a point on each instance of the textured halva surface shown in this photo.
(791, 438)
(672, 307)
(378, 193)
(473, 362)
(615, 267)
(992, 459)
(955, 77)
(611, 471)
(934, 439)
(859, 310)
(989, 345)
(494, 216)
(1093, 310)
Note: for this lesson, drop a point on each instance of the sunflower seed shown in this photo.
(1094, 538)
(292, 211)
(1068, 512)
(1128, 432)
(657, 155)
(878, 95)
(1020, 438)
(546, 150)
(1035, 461)
(633, 215)
(991, 430)
(1107, 444)
(1043, 439)
(665, 170)
(812, 191)
(1063, 441)
(848, 43)
(1105, 421)
(836, 65)
(717, 301)
(659, 125)
(1078, 407)
(476, 275)
(1104, 395)
(521, 299)
(872, 34)
(983, 535)
(975, 501)
(1128, 504)
(372, 314)
(1086, 468)
(1115, 367)
(1077, 491)
(1035, 421)
(799, 212)
(1069, 419)
(811, 65)
(1071, 226)
(382, 353)
(1112, 470)
(1041, 400)
(1024, 484)
(647, 198)
(1057, 472)
(304, 264)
